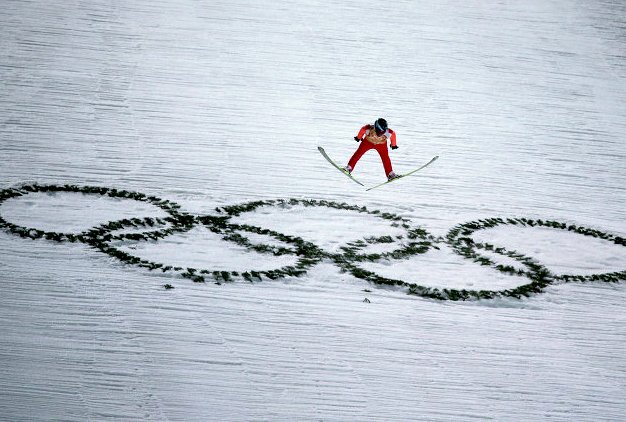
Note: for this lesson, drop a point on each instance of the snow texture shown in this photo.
(217, 103)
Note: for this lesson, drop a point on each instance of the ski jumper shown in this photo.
(369, 140)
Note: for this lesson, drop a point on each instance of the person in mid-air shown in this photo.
(375, 136)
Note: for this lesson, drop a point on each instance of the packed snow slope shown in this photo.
(174, 247)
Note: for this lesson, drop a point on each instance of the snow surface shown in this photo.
(211, 104)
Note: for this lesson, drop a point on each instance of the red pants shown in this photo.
(366, 146)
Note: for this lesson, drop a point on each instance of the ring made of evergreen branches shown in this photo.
(539, 278)
(173, 222)
(415, 241)
(307, 254)
(459, 238)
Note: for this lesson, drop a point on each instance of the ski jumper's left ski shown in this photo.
(321, 150)
(405, 174)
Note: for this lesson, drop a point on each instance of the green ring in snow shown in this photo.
(459, 238)
(416, 240)
(305, 252)
(94, 235)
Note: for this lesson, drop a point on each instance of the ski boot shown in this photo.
(392, 175)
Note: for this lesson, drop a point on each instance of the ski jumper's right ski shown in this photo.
(321, 150)
(404, 175)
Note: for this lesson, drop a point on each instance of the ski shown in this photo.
(405, 174)
(321, 150)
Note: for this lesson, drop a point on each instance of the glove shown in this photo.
(356, 138)
(394, 147)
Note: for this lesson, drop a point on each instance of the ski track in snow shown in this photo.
(211, 104)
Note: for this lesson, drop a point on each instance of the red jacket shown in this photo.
(368, 133)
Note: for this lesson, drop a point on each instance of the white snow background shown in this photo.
(217, 103)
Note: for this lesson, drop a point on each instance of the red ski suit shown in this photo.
(369, 140)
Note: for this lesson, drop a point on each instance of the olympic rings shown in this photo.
(413, 241)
